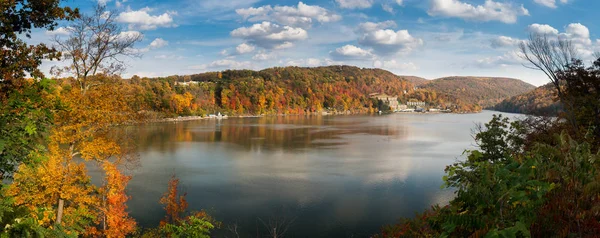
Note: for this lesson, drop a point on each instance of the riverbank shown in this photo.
(194, 118)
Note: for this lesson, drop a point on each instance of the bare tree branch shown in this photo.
(95, 46)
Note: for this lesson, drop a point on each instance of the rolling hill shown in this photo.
(484, 91)
(540, 101)
(301, 90)
(414, 79)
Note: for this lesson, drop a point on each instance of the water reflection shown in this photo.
(270, 133)
(338, 176)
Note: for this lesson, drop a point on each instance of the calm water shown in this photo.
(328, 176)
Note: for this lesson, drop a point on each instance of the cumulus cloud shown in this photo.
(310, 62)
(505, 41)
(549, 3)
(302, 15)
(141, 19)
(224, 64)
(576, 33)
(350, 52)
(387, 8)
(373, 26)
(244, 48)
(127, 35)
(489, 11)
(169, 57)
(354, 4)
(579, 35)
(270, 35)
(399, 2)
(386, 42)
(509, 58)
(542, 29)
(59, 31)
(262, 56)
(158, 43)
(103, 2)
(394, 65)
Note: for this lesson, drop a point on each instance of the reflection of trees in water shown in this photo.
(270, 133)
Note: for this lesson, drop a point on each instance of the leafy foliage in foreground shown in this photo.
(504, 192)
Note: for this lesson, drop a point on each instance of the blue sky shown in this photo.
(427, 38)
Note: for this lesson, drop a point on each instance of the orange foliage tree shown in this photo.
(175, 204)
(118, 222)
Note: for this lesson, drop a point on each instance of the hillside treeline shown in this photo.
(288, 90)
(540, 101)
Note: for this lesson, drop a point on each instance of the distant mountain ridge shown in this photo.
(540, 101)
(484, 91)
(414, 79)
(300, 90)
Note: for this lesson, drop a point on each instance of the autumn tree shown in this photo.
(92, 103)
(175, 204)
(176, 223)
(56, 191)
(118, 222)
(24, 112)
(18, 18)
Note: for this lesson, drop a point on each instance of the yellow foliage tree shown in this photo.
(82, 130)
(182, 102)
(54, 183)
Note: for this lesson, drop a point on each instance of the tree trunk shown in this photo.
(59, 214)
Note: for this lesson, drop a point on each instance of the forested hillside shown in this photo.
(540, 101)
(289, 90)
(484, 91)
(415, 80)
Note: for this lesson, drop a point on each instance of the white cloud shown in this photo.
(387, 8)
(386, 42)
(353, 4)
(158, 43)
(400, 2)
(577, 33)
(310, 62)
(103, 2)
(270, 35)
(221, 5)
(119, 4)
(510, 58)
(351, 52)
(169, 57)
(489, 11)
(224, 64)
(141, 19)
(262, 56)
(59, 31)
(394, 65)
(505, 41)
(244, 48)
(542, 29)
(373, 26)
(549, 3)
(302, 15)
(125, 35)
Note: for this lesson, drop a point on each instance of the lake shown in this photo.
(325, 176)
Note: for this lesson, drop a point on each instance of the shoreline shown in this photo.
(195, 118)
